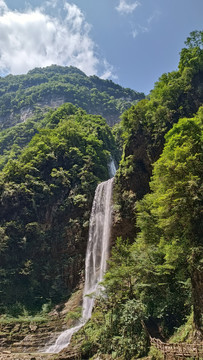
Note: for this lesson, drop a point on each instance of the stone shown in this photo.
(33, 327)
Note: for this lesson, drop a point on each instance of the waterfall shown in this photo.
(111, 167)
(96, 256)
(98, 244)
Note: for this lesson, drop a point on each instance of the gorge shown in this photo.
(51, 166)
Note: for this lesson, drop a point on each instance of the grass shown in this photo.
(21, 315)
(184, 332)
(6, 319)
(155, 354)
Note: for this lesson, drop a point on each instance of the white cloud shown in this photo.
(134, 33)
(125, 8)
(145, 29)
(51, 3)
(140, 29)
(3, 7)
(33, 38)
(154, 17)
(108, 71)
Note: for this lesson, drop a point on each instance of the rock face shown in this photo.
(27, 337)
(32, 337)
(30, 356)
(23, 96)
(131, 187)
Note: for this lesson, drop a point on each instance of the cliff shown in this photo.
(23, 96)
(47, 186)
(45, 203)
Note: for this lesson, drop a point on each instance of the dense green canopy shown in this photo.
(50, 167)
(22, 96)
(45, 200)
(155, 275)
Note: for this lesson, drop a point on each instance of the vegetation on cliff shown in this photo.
(22, 96)
(46, 195)
(50, 167)
(155, 275)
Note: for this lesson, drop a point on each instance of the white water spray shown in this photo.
(96, 257)
(112, 168)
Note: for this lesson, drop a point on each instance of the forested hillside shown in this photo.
(155, 280)
(49, 169)
(45, 203)
(24, 96)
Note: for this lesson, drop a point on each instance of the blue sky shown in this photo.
(131, 42)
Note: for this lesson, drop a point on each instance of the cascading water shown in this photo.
(98, 244)
(112, 168)
(96, 257)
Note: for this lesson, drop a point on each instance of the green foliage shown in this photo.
(143, 128)
(191, 56)
(149, 281)
(185, 332)
(74, 315)
(175, 201)
(195, 39)
(22, 95)
(25, 318)
(46, 194)
(158, 205)
(157, 268)
(116, 326)
(155, 354)
(14, 139)
(170, 216)
(19, 314)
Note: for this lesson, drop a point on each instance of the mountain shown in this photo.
(155, 278)
(46, 194)
(22, 96)
(50, 167)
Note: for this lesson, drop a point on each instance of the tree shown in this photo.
(170, 217)
(195, 39)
